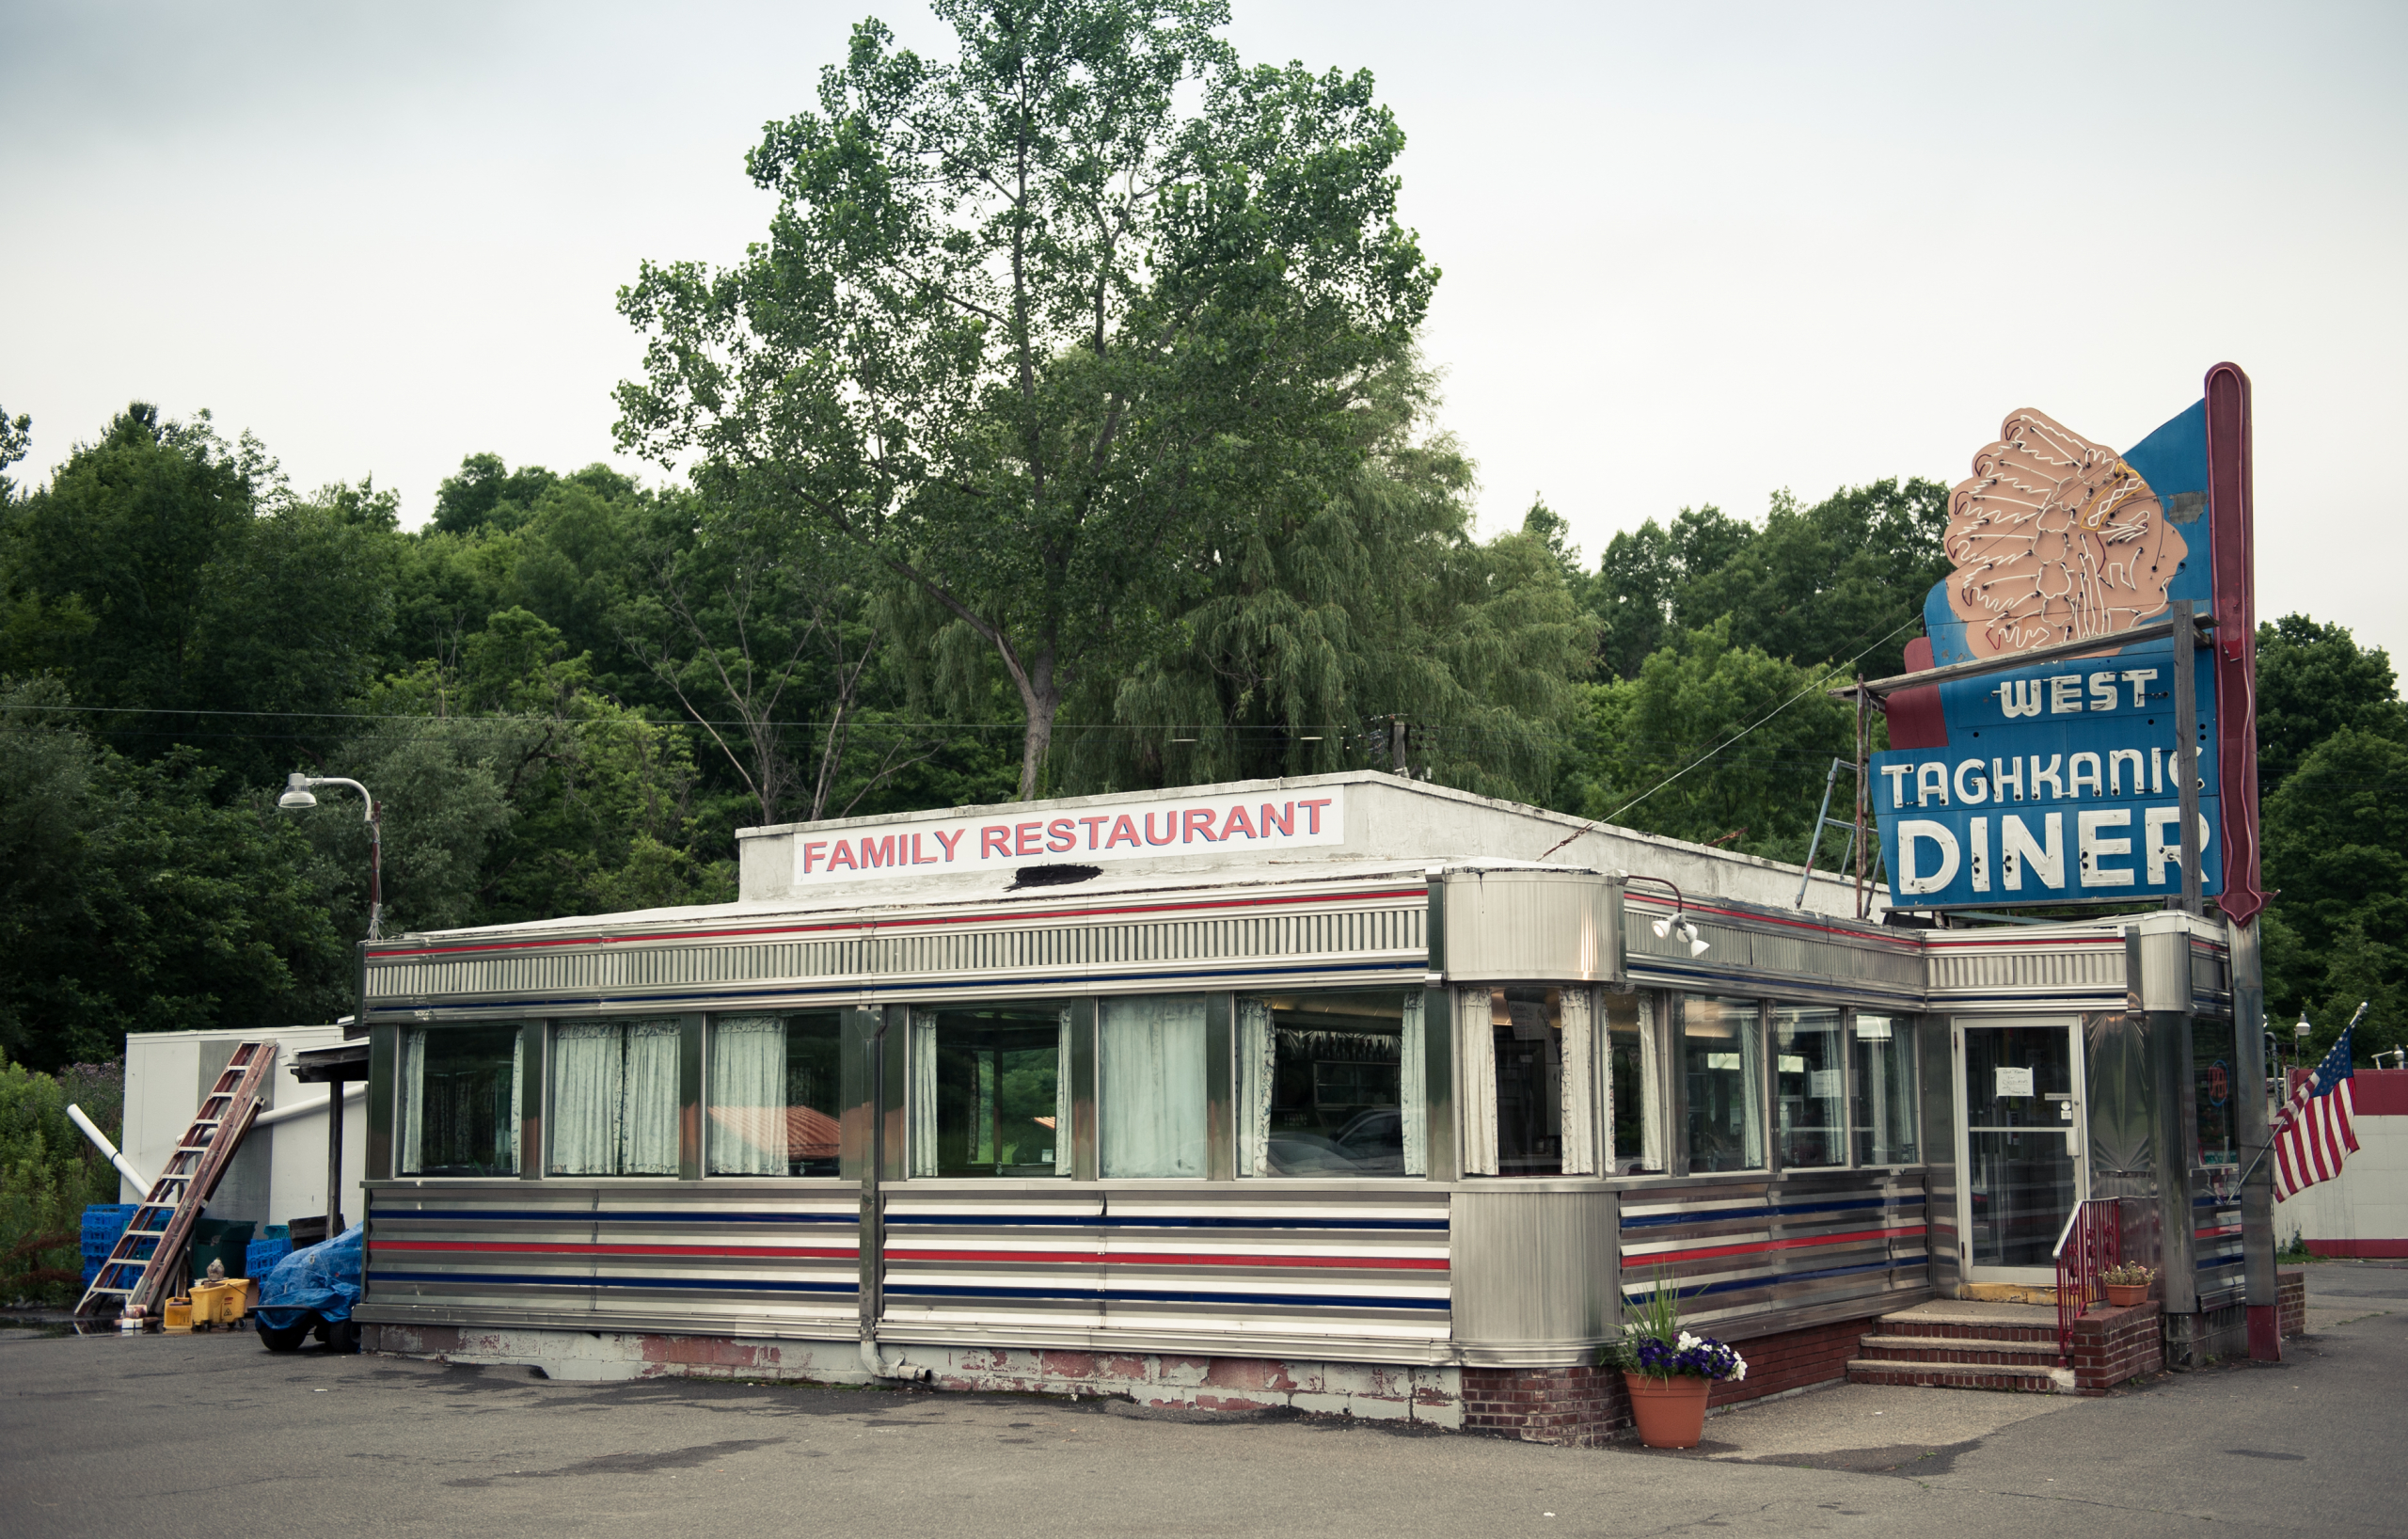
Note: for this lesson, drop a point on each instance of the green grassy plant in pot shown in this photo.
(1670, 1372)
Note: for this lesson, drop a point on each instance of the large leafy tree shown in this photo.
(2337, 852)
(1028, 331)
(2313, 679)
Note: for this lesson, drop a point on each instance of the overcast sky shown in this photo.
(1692, 253)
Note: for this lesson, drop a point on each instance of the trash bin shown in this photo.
(221, 1240)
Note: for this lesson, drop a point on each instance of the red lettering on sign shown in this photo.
(1060, 835)
(1170, 828)
(1237, 819)
(1091, 824)
(844, 856)
(917, 857)
(877, 852)
(1284, 819)
(1196, 820)
(994, 841)
(1123, 831)
(1312, 813)
(1028, 840)
(948, 840)
(811, 854)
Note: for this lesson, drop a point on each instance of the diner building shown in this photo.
(1346, 1092)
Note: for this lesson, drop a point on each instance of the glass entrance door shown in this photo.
(2019, 1102)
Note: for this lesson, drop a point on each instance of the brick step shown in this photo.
(1960, 1349)
(1944, 1327)
(2026, 1380)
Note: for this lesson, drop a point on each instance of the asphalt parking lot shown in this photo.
(202, 1435)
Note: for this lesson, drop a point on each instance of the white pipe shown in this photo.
(101, 1141)
(303, 1109)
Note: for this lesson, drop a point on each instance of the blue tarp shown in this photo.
(323, 1281)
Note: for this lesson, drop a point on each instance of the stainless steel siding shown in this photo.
(1534, 1274)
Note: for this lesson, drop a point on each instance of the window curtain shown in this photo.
(1413, 1080)
(1579, 1098)
(648, 1127)
(1153, 1092)
(1062, 1164)
(1751, 1063)
(414, 1098)
(586, 1096)
(920, 1115)
(511, 1156)
(1652, 1118)
(1476, 1052)
(747, 1096)
(1258, 1064)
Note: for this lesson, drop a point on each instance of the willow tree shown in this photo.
(1028, 328)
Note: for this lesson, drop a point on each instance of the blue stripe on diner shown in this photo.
(1709, 1215)
(1324, 1301)
(1770, 1279)
(858, 990)
(546, 1279)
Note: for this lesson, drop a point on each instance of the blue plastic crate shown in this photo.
(261, 1256)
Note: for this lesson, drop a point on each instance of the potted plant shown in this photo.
(2127, 1284)
(1670, 1372)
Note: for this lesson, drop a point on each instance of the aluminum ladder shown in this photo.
(150, 1255)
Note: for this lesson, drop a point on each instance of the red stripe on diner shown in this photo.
(897, 923)
(2368, 1249)
(497, 1248)
(1764, 1246)
(1385, 1264)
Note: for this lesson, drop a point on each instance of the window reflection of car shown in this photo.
(1370, 1144)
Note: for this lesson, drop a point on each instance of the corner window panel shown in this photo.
(773, 1095)
(1808, 1071)
(1635, 1085)
(1151, 1099)
(1525, 1028)
(614, 1099)
(990, 1091)
(460, 1103)
(1884, 1090)
(1723, 1071)
(1330, 1085)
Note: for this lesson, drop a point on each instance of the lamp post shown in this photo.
(297, 797)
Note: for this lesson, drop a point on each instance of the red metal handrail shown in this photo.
(2092, 1243)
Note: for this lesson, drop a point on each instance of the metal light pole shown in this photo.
(297, 797)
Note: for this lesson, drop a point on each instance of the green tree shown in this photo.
(2313, 680)
(2337, 855)
(1024, 329)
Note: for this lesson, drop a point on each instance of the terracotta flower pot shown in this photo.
(2123, 1293)
(1670, 1413)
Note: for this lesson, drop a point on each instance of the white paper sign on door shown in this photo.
(2014, 1081)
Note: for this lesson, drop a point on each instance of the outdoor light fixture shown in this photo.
(2303, 1030)
(1678, 920)
(297, 797)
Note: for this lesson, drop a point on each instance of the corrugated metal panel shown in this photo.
(1741, 1251)
(2089, 965)
(1534, 1275)
(1515, 924)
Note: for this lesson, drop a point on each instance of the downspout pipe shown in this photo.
(101, 1141)
(873, 1224)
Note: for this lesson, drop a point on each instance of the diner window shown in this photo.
(1525, 1036)
(772, 1092)
(1808, 1074)
(1151, 1099)
(1634, 1085)
(614, 1098)
(459, 1101)
(1331, 1084)
(990, 1091)
(1884, 1090)
(2211, 1090)
(1722, 1071)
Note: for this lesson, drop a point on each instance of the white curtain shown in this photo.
(747, 1096)
(413, 1099)
(1476, 1081)
(1652, 1120)
(1062, 1164)
(1152, 1092)
(1257, 1067)
(920, 1115)
(518, 1083)
(1751, 1063)
(1413, 1081)
(586, 1096)
(1579, 1100)
(648, 1128)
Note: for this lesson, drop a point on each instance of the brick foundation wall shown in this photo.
(2291, 1301)
(2113, 1345)
(1793, 1360)
(1585, 1407)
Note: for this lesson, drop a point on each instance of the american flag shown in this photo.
(2312, 1135)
